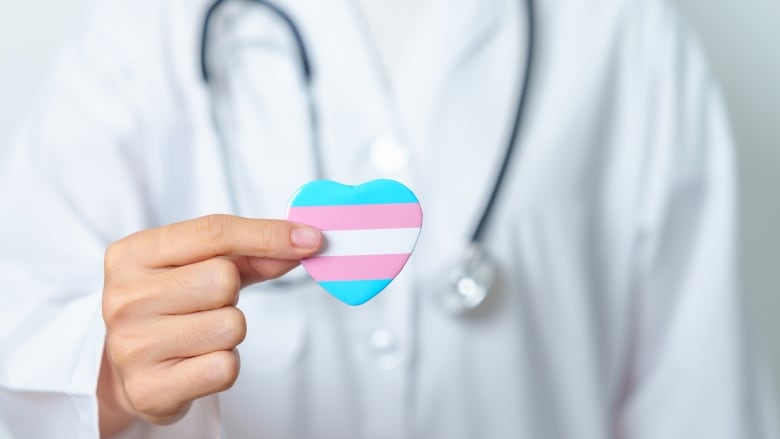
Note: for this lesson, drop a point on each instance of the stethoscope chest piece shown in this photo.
(469, 282)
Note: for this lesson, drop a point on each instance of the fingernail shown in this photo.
(306, 237)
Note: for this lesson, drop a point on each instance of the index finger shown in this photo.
(203, 238)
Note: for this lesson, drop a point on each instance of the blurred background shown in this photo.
(742, 40)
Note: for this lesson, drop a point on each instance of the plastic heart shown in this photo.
(370, 232)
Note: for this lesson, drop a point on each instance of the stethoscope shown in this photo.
(475, 275)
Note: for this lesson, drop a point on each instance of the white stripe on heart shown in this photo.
(369, 242)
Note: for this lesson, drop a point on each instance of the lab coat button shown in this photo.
(385, 348)
(388, 155)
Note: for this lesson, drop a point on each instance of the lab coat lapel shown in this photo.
(454, 98)
(458, 97)
(353, 104)
(446, 34)
(356, 104)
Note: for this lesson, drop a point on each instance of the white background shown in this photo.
(742, 39)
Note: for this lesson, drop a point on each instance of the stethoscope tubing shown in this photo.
(308, 74)
(476, 267)
(303, 52)
(479, 230)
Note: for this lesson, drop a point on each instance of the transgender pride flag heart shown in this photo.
(370, 231)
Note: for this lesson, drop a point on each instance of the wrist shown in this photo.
(114, 408)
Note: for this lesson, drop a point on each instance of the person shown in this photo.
(142, 231)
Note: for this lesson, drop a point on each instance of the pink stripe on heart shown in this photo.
(363, 267)
(358, 216)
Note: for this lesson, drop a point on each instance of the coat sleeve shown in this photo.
(79, 177)
(695, 369)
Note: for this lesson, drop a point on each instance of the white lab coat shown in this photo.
(618, 313)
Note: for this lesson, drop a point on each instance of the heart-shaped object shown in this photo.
(370, 231)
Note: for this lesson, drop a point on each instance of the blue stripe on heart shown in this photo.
(355, 292)
(331, 193)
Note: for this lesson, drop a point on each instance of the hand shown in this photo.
(169, 301)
